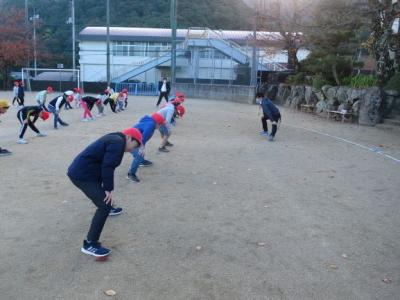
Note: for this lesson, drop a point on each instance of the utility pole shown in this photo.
(33, 19)
(73, 34)
(254, 64)
(173, 17)
(71, 20)
(108, 43)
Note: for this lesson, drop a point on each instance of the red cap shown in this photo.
(70, 98)
(177, 101)
(133, 133)
(158, 118)
(181, 110)
(44, 115)
(124, 91)
(50, 89)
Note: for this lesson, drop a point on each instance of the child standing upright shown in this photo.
(15, 92)
(21, 94)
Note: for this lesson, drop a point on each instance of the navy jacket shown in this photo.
(146, 126)
(270, 110)
(99, 160)
(21, 92)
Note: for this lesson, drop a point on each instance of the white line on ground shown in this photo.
(376, 150)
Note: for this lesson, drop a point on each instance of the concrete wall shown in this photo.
(234, 93)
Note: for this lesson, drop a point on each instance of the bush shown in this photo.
(394, 83)
(298, 78)
(319, 81)
(363, 81)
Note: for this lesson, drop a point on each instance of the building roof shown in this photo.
(164, 34)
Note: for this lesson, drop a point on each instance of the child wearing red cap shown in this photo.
(27, 116)
(146, 125)
(92, 171)
(56, 105)
(41, 97)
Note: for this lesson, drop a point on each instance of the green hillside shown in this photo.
(55, 33)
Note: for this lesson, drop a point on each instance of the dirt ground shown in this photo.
(225, 215)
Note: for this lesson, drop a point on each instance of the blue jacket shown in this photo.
(270, 110)
(99, 160)
(146, 126)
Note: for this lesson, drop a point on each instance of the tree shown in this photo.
(333, 39)
(14, 45)
(290, 18)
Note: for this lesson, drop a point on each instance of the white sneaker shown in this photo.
(41, 134)
(85, 120)
(98, 115)
(22, 141)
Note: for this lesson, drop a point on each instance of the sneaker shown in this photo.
(65, 124)
(103, 114)
(163, 149)
(41, 134)
(4, 152)
(146, 163)
(22, 141)
(271, 138)
(99, 115)
(92, 119)
(85, 120)
(115, 211)
(168, 144)
(132, 177)
(264, 133)
(94, 249)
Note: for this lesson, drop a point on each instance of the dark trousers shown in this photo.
(68, 105)
(25, 126)
(95, 192)
(20, 101)
(265, 125)
(162, 94)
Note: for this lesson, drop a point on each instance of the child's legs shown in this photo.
(95, 192)
(33, 127)
(85, 109)
(264, 123)
(137, 159)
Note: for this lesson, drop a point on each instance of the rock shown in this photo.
(297, 96)
(355, 94)
(371, 107)
(355, 108)
(320, 96)
(321, 106)
(331, 97)
(393, 93)
(283, 93)
(310, 95)
(342, 94)
(272, 91)
(391, 107)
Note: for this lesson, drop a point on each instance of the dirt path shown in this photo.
(225, 215)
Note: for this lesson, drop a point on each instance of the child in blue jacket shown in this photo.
(270, 112)
(92, 171)
(146, 125)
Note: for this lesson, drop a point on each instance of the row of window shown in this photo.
(147, 49)
(151, 49)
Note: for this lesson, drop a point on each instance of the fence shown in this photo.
(142, 88)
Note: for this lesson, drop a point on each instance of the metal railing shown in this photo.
(138, 89)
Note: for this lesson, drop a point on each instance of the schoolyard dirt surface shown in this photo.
(225, 215)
